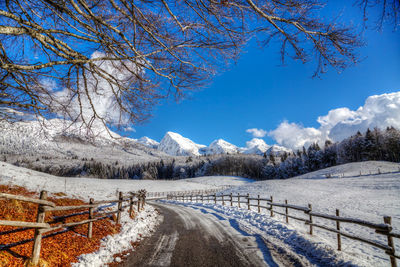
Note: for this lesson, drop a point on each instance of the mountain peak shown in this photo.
(256, 146)
(148, 142)
(221, 146)
(177, 145)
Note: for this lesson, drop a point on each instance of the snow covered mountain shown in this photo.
(58, 142)
(148, 142)
(177, 145)
(220, 146)
(256, 146)
(61, 138)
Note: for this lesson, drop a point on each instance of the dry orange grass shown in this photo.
(58, 250)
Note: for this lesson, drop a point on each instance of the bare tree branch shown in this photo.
(112, 60)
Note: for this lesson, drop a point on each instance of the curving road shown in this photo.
(201, 237)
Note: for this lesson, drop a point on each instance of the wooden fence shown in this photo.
(163, 195)
(268, 204)
(41, 227)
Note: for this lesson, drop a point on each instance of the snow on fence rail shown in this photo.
(384, 228)
(41, 227)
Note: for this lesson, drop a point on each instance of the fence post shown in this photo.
(239, 200)
(138, 196)
(272, 207)
(223, 201)
(119, 207)
(311, 221)
(191, 198)
(231, 200)
(131, 205)
(38, 234)
(258, 203)
(248, 201)
(388, 220)
(339, 237)
(202, 198)
(90, 226)
(215, 198)
(286, 212)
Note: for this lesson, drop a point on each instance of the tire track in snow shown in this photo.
(164, 249)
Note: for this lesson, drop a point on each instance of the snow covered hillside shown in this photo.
(56, 142)
(365, 168)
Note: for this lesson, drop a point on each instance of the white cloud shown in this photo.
(378, 111)
(257, 132)
(295, 136)
(129, 129)
(101, 95)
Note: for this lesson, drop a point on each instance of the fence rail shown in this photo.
(384, 228)
(44, 206)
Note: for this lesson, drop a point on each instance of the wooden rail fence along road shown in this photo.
(41, 227)
(246, 201)
(163, 195)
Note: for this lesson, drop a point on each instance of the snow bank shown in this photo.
(131, 231)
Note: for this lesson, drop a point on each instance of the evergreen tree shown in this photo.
(272, 158)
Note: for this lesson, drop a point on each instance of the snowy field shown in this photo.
(99, 189)
(368, 197)
(220, 180)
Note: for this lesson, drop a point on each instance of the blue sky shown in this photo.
(257, 92)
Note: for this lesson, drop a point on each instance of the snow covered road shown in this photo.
(190, 236)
